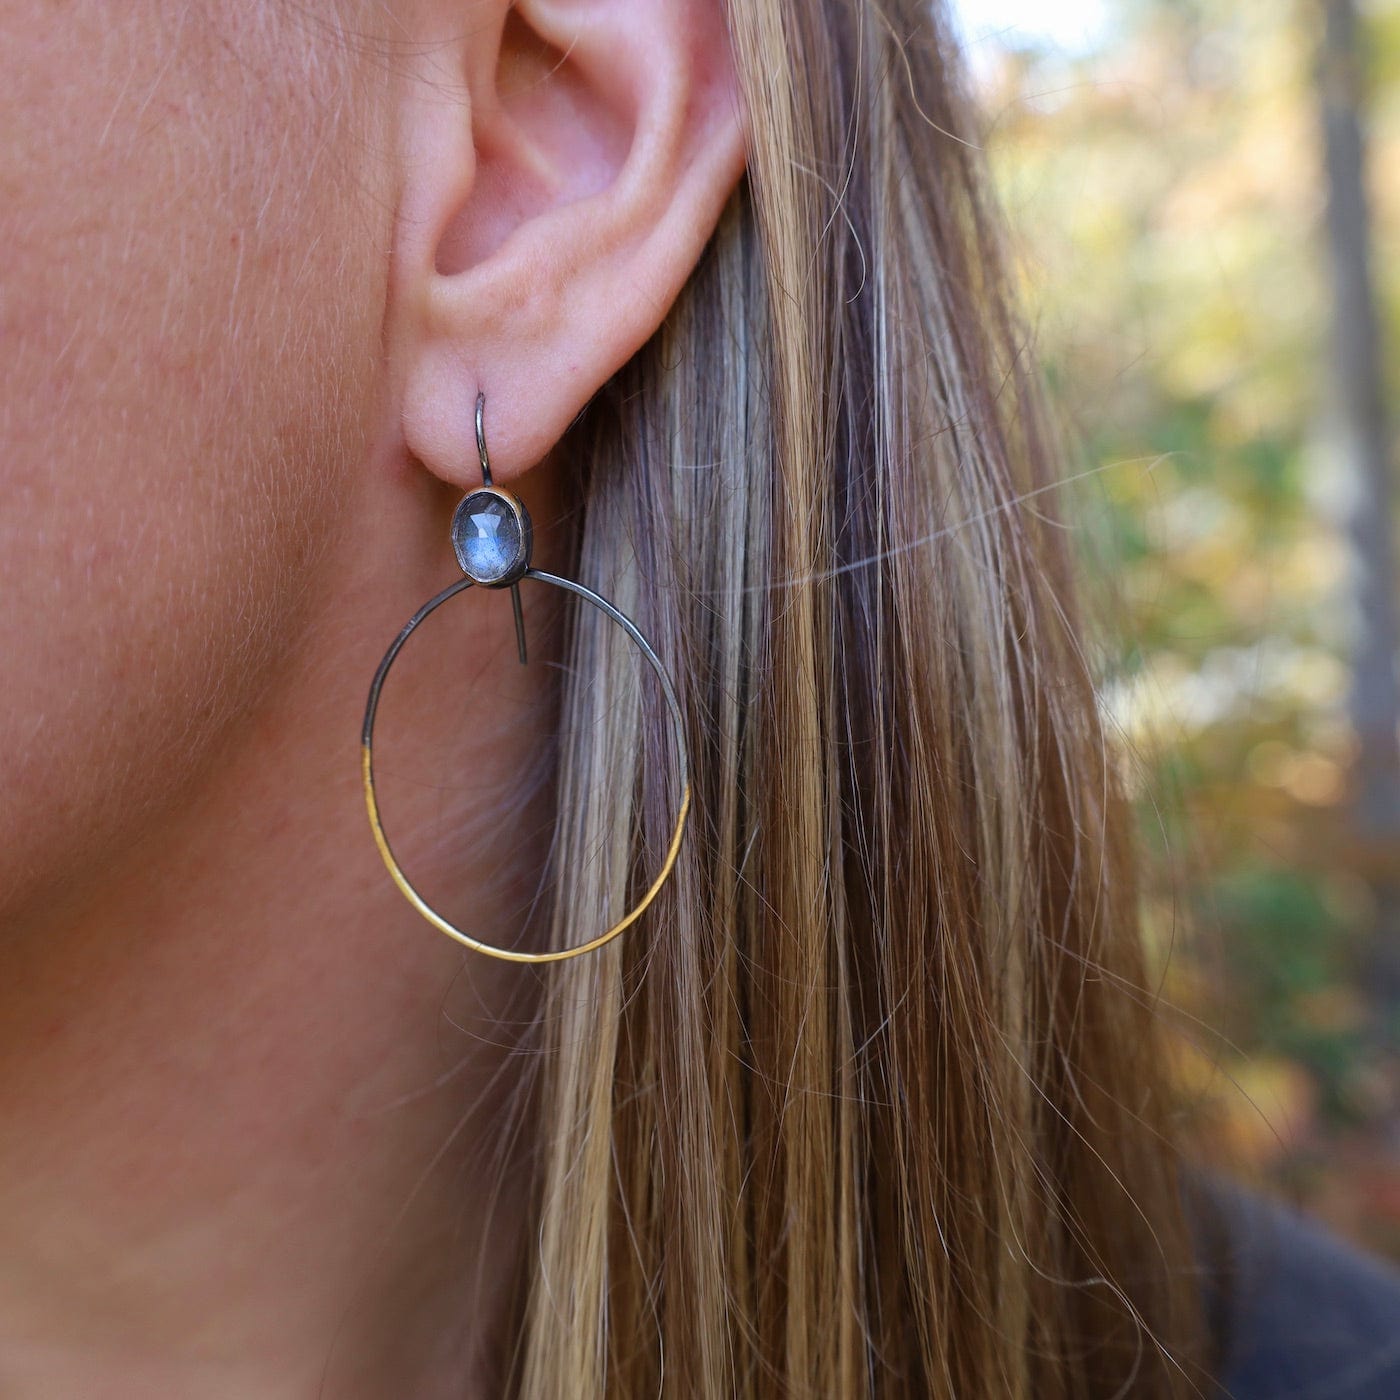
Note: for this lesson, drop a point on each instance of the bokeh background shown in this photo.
(1203, 196)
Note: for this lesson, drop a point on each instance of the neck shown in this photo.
(257, 1111)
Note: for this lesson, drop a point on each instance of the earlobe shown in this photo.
(561, 202)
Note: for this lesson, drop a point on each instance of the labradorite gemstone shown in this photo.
(486, 537)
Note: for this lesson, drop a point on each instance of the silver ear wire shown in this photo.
(486, 480)
(481, 437)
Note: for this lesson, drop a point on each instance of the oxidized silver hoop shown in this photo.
(492, 539)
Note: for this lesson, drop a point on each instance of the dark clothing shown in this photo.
(1301, 1316)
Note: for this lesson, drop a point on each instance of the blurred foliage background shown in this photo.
(1168, 186)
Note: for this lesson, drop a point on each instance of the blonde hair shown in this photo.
(868, 1105)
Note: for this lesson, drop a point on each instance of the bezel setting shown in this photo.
(489, 500)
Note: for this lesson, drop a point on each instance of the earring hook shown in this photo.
(481, 438)
(486, 481)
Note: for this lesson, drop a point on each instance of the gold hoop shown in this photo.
(492, 538)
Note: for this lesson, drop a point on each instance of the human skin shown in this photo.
(259, 259)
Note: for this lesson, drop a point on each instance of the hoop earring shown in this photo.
(492, 538)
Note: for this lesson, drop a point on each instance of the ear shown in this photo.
(564, 164)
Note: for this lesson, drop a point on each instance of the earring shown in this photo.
(492, 539)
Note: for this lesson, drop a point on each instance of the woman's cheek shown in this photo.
(187, 297)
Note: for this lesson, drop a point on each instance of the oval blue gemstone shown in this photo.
(486, 537)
